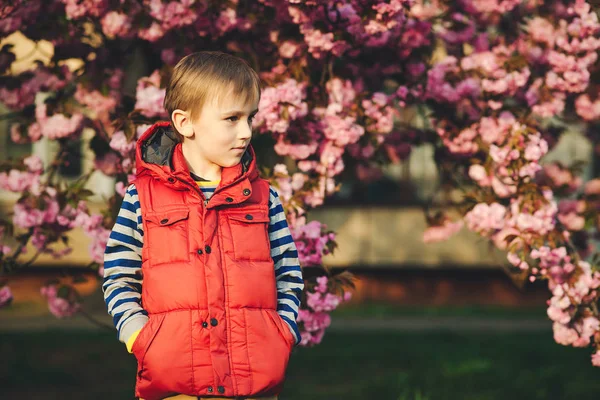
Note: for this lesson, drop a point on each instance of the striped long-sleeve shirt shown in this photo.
(122, 285)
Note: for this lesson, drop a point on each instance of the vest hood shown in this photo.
(159, 153)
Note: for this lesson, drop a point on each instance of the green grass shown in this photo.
(348, 366)
(385, 310)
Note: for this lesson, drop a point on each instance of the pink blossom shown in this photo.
(463, 143)
(18, 181)
(587, 109)
(39, 240)
(493, 6)
(341, 92)
(281, 104)
(153, 33)
(342, 131)
(98, 245)
(478, 173)
(89, 223)
(79, 8)
(227, 20)
(168, 56)
(40, 79)
(311, 241)
(149, 96)
(559, 177)
(506, 83)
(288, 48)
(98, 105)
(499, 238)
(59, 125)
(380, 113)
(564, 335)
(298, 181)
(459, 36)
(484, 218)
(22, 13)
(51, 210)
(27, 218)
(119, 143)
(314, 321)
(541, 30)
(313, 325)
(34, 131)
(120, 188)
(322, 302)
(596, 359)
(558, 314)
(495, 130)
(298, 151)
(442, 232)
(6, 296)
(331, 159)
(116, 24)
(140, 129)
(34, 164)
(592, 187)
(502, 188)
(569, 214)
(322, 284)
(550, 108)
(318, 42)
(536, 147)
(59, 306)
(108, 164)
(173, 14)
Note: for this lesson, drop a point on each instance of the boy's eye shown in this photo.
(235, 118)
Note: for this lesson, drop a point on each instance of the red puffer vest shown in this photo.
(208, 280)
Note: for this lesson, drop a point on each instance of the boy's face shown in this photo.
(223, 130)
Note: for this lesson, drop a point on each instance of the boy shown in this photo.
(215, 313)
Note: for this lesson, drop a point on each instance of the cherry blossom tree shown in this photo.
(350, 86)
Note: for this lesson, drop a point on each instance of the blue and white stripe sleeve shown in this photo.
(288, 273)
(122, 285)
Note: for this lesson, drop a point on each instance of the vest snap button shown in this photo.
(171, 180)
(229, 199)
(214, 322)
(209, 389)
(246, 192)
(205, 324)
(164, 221)
(249, 217)
(221, 389)
(207, 249)
(199, 251)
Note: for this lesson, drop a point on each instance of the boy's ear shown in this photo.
(183, 123)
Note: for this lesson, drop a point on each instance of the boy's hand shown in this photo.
(131, 340)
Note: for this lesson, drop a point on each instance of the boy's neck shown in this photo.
(201, 167)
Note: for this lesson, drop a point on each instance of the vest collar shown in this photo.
(159, 154)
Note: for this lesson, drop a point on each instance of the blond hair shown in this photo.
(209, 75)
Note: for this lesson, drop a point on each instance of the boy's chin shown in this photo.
(229, 163)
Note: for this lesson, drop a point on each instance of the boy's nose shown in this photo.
(245, 133)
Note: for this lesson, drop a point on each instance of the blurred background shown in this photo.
(426, 320)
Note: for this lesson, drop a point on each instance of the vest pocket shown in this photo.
(282, 327)
(166, 235)
(250, 235)
(144, 340)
